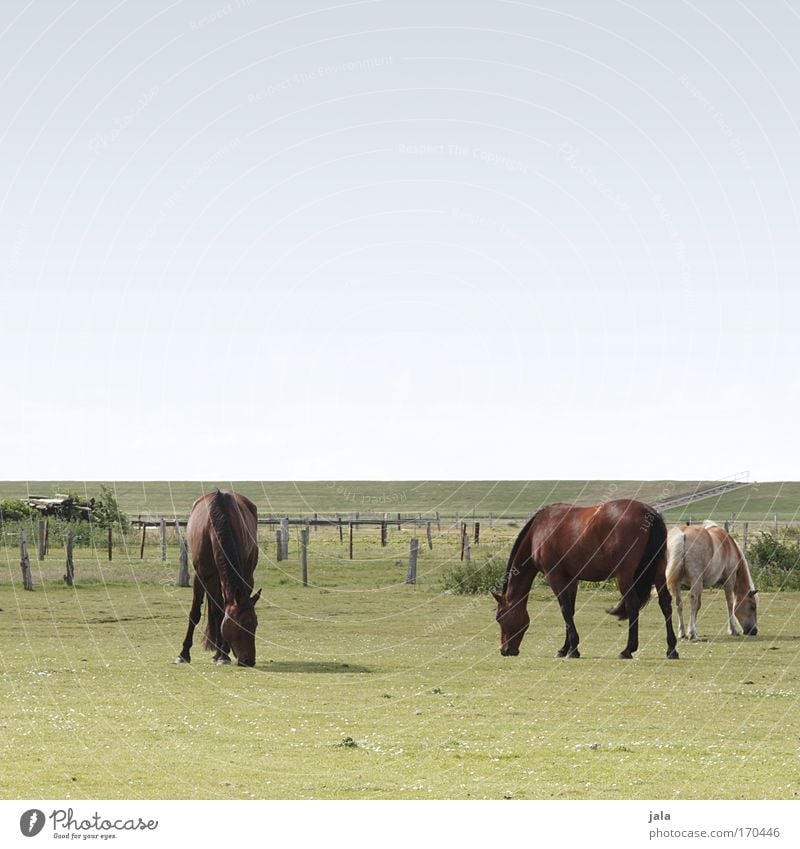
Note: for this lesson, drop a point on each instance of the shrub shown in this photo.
(774, 562)
(478, 576)
(14, 510)
(767, 550)
(106, 512)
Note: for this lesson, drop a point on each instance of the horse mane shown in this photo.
(228, 563)
(514, 549)
(743, 564)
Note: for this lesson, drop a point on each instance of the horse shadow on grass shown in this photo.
(312, 667)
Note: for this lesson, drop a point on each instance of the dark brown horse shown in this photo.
(620, 539)
(221, 534)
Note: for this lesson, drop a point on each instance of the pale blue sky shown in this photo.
(396, 239)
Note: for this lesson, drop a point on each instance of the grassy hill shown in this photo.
(759, 502)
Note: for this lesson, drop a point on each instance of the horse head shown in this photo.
(744, 608)
(238, 629)
(514, 620)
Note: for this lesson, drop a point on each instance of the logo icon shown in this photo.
(31, 822)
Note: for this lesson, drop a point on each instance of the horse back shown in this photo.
(592, 543)
(242, 515)
(699, 554)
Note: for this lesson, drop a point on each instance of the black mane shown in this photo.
(228, 563)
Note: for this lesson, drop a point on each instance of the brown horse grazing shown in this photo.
(221, 534)
(620, 539)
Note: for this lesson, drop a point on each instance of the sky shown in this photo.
(392, 239)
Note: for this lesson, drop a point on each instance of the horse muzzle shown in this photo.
(751, 632)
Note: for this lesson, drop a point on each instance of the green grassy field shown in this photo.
(757, 503)
(368, 688)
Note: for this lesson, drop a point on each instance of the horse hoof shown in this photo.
(181, 659)
(626, 655)
(561, 653)
(673, 655)
(573, 653)
(223, 661)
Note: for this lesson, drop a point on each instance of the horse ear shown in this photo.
(753, 591)
(497, 597)
(255, 598)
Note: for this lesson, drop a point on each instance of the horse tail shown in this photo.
(652, 561)
(676, 559)
(226, 559)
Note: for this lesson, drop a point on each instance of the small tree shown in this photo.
(106, 511)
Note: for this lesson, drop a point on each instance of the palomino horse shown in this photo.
(701, 557)
(221, 534)
(620, 539)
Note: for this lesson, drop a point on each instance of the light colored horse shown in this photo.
(700, 557)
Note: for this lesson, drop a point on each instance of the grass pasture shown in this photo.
(760, 502)
(368, 688)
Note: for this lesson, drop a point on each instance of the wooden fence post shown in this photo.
(141, 546)
(110, 543)
(398, 522)
(69, 577)
(351, 540)
(463, 538)
(25, 561)
(430, 537)
(466, 548)
(183, 569)
(40, 542)
(477, 533)
(383, 534)
(411, 577)
(163, 540)
(304, 555)
(341, 532)
(285, 538)
(745, 534)
(438, 523)
(279, 543)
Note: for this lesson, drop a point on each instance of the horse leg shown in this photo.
(214, 632)
(697, 600)
(566, 601)
(733, 625)
(194, 619)
(665, 603)
(632, 605)
(679, 606)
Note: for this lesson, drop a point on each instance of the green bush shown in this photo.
(767, 550)
(106, 512)
(478, 576)
(774, 562)
(14, 510)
